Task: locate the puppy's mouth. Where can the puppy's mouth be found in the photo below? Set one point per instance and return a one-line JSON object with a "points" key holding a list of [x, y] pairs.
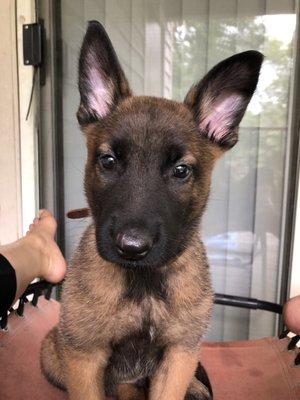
{"points": [[137, 264]]}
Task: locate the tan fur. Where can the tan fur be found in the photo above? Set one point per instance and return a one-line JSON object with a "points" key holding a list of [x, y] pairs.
{"points": [[83, 372], [99, 287], [174, 374], [51, 362]]}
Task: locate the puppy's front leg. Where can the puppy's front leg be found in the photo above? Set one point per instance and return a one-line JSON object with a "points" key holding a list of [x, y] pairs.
{"points": [[174, 374], [84, 374]]}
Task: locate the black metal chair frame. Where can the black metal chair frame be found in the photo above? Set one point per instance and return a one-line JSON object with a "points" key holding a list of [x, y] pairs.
{"points": [[40, 288]]}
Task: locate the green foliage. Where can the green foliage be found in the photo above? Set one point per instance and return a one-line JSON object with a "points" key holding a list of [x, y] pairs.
{"points": [[198, 46]]}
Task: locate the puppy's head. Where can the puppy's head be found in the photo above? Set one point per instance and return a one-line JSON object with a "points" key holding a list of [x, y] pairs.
{"points": [[149, 160]]}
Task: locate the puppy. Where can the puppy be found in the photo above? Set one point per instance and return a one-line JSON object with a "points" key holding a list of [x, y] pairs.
{"points": [[137, 296]]}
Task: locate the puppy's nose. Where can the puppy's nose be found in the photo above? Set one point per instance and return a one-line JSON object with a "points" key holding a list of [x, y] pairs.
{"points": [[133, 244]]}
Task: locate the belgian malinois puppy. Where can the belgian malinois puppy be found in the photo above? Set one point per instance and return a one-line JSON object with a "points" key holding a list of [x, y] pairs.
{"points": [[137, 296]]}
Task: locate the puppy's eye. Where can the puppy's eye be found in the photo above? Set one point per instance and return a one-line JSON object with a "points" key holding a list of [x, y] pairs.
{"points": [[182, 171], [107, 161]]}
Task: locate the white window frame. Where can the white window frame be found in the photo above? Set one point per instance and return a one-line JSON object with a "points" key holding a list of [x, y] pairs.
{"points": [[26, 14]]}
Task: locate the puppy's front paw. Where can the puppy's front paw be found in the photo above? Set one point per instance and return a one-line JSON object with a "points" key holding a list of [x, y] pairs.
{"points": [[200, 388], [198, 395]]}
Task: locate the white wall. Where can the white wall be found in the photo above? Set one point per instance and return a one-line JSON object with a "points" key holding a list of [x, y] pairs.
{"points": [[18, 137], [10, 185]]}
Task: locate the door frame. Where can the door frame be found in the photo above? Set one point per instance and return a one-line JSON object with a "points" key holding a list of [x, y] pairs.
{"points": [[51, 121], [290, 232]]}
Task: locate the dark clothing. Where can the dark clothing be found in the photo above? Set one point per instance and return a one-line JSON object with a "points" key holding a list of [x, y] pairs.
{"points": [[8, 284]]}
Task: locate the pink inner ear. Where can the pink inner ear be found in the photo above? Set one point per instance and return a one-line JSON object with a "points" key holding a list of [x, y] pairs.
{"points": [[99, 96], [221, 116]]}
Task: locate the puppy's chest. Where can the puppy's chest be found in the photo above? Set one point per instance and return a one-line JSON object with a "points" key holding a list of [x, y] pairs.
{"points": [[144, 301], [152, 305], [147, 317]]}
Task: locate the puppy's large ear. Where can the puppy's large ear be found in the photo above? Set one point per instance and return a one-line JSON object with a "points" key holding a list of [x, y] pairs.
{"points": [[218, 102], [102, 83]]}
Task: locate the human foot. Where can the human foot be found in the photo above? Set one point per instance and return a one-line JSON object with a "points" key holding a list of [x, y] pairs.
{"points": [[291, 314], [36, 254], [41, 237]]}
